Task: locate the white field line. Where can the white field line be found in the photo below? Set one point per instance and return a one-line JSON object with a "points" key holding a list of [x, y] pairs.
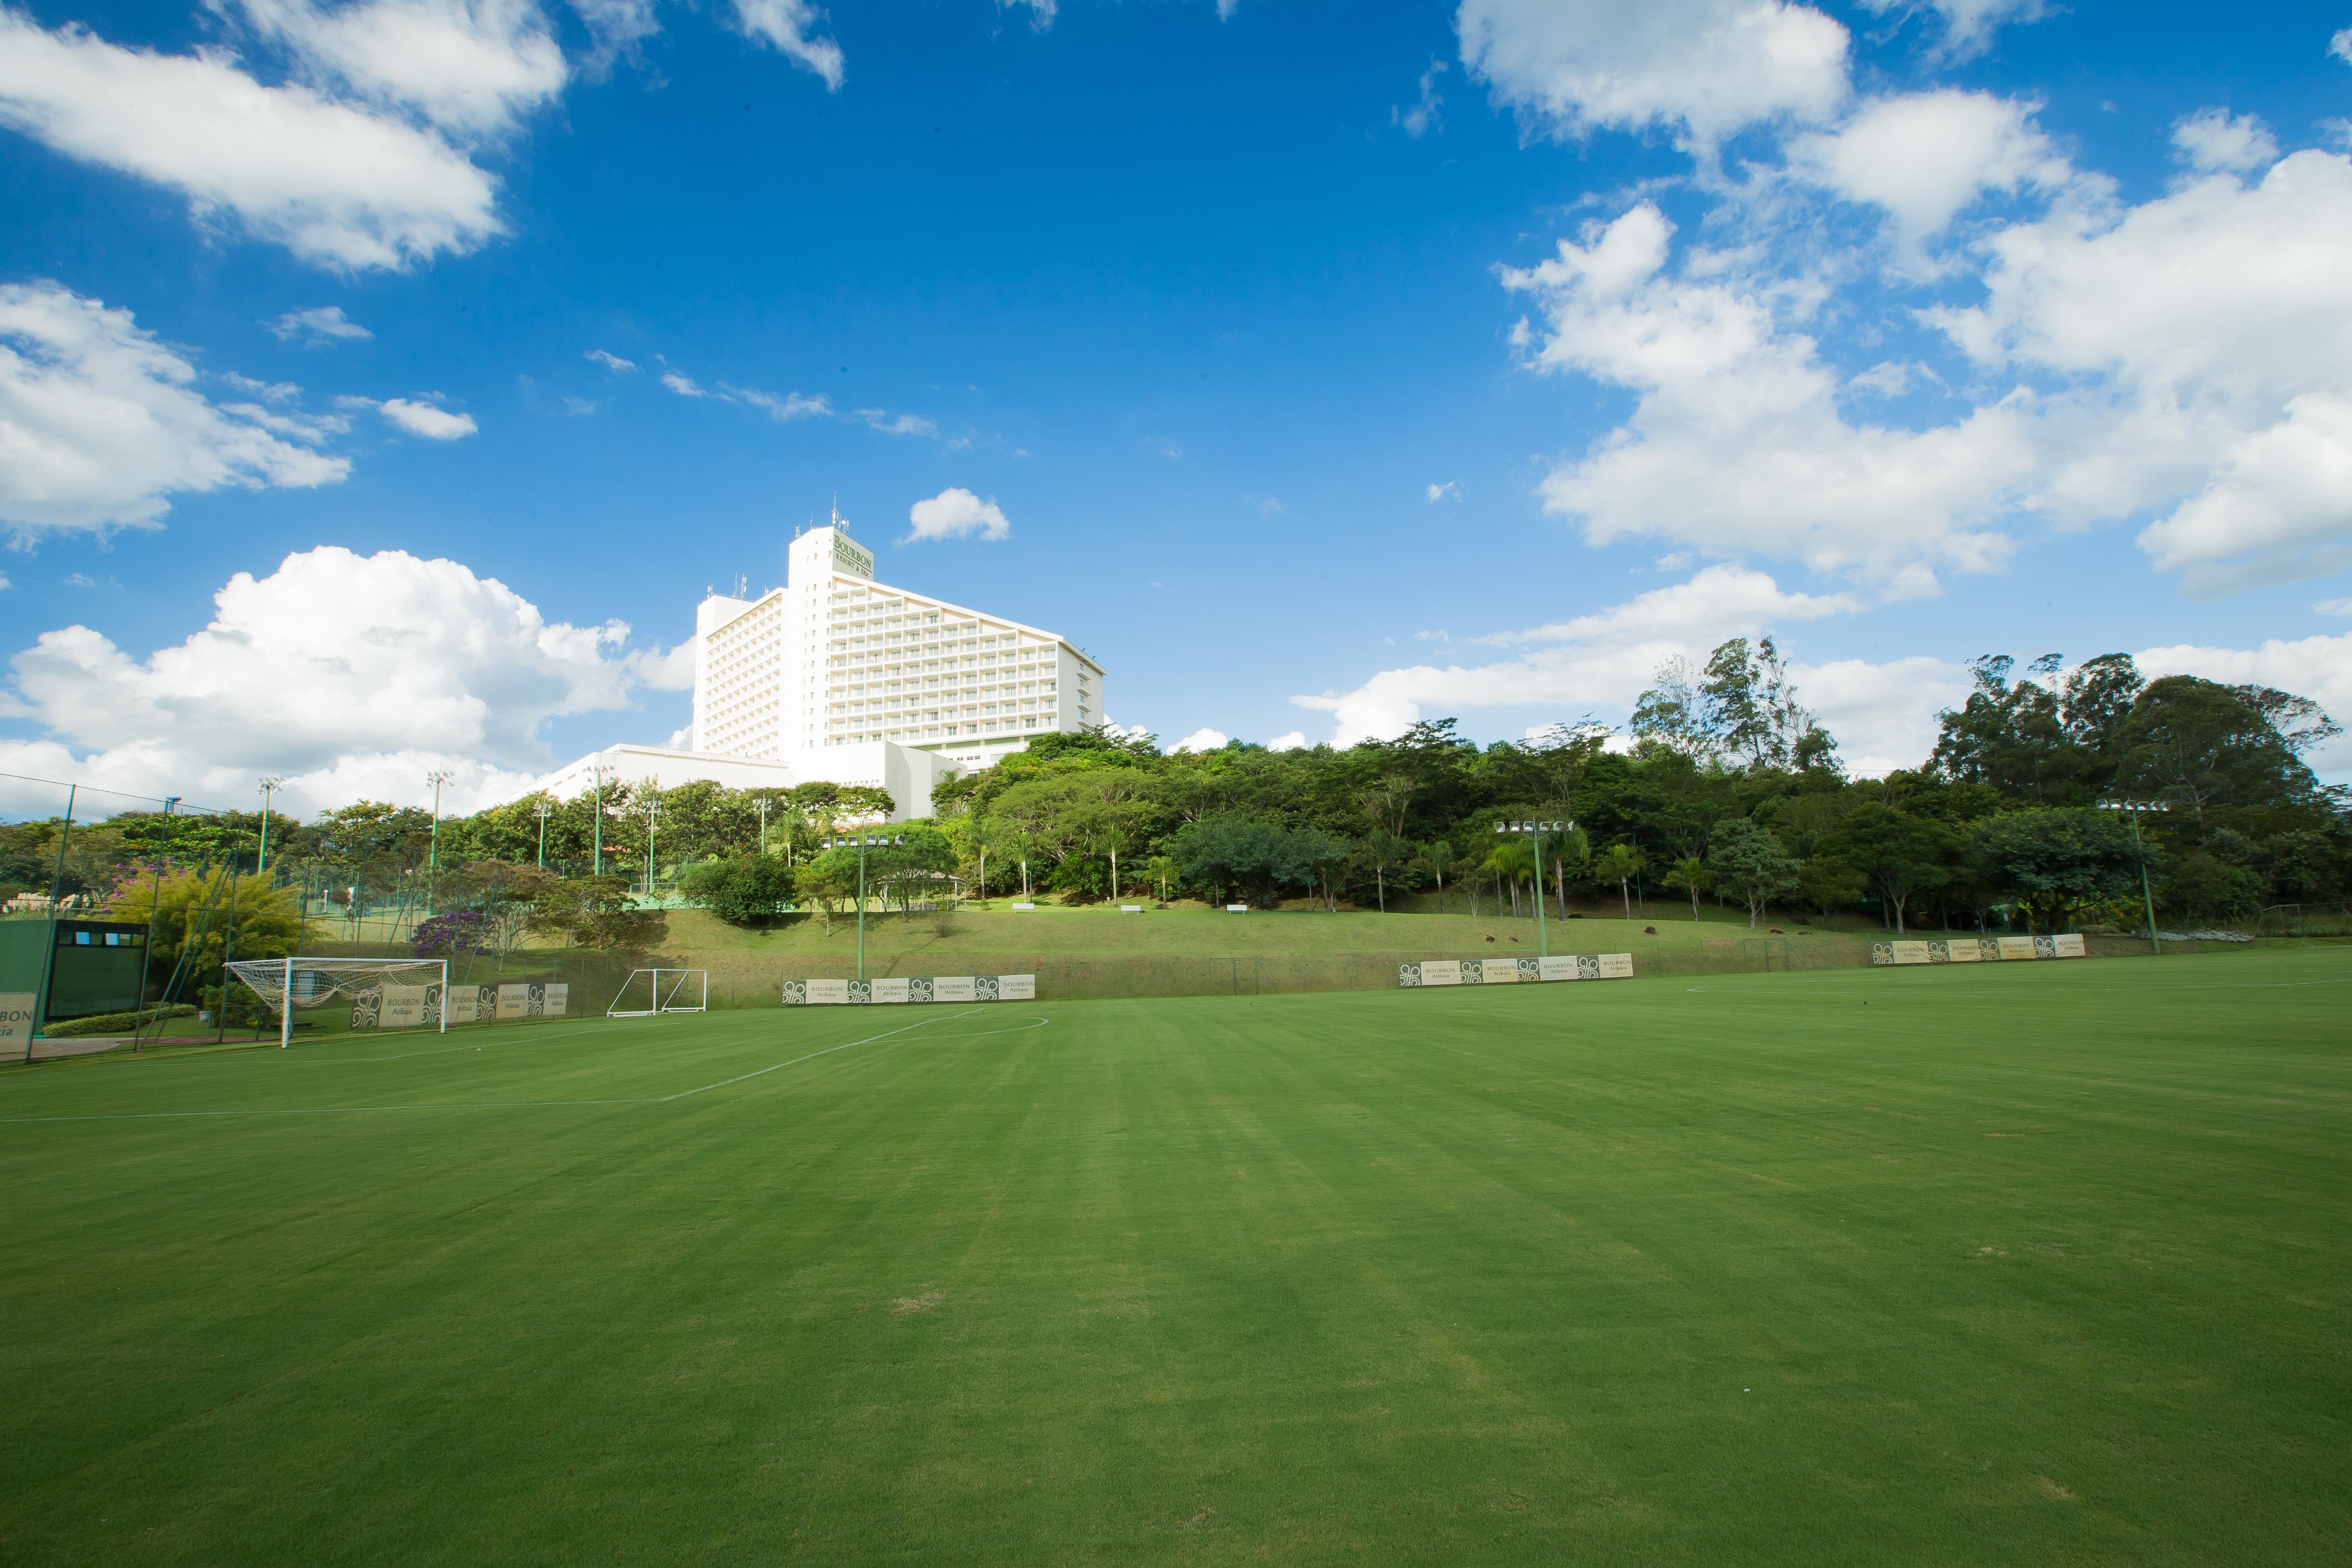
{"points": [[869, 1039]]}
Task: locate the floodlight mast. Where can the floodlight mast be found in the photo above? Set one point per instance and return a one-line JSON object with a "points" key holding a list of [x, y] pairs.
{"points": [[2133, 810], [861, 840], [437, 778], [543, 810], [268, 787], [1538, 829]]}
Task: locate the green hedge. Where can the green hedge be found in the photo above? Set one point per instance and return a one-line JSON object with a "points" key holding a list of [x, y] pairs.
{"points": [[115, 1023]]}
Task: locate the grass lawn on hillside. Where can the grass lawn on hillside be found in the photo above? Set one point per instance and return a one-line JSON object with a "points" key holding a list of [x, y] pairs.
{"points": [[2023, 1264]]}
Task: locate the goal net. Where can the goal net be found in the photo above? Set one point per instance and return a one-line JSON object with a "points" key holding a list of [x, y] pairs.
{"points": [[652, 991], [381, 993]]}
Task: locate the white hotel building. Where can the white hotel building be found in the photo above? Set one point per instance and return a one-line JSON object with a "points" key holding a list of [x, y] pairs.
{"points": [[835, 676]]}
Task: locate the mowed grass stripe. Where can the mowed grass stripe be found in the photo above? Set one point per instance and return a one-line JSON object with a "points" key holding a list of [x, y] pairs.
{"points": [[1648, 1272]]}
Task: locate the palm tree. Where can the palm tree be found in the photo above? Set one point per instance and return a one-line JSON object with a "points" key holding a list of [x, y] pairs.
{"points": [[1690, 872], [1161, 869], [1621, 862], [1439, 858], [1513, 859], [981, 836]]}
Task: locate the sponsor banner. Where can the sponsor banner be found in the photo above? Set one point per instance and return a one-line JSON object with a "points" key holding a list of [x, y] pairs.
{"points": [[514, 1001], [404, 1006], [904, 989], [1515, 971], [15, 1020], [1978, 950], [464, 1004]]}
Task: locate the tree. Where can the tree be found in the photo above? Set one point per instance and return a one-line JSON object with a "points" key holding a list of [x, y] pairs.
{"points": [[1744, 854], [201, 917], [1898, 854], [2055, 862], [600, 912], [2197, 743], [1828, 884], [749, 891], [507, 896], [1620, 863], [1672, 713], [1689, 872], [1384, 849]]}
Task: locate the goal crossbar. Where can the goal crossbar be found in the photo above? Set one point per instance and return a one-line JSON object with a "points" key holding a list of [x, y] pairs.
{"points": [[667, 991], [287, 984]]}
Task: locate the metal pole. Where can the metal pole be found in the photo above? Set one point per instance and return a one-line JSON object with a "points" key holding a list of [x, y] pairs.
{"points": [[286, 1009], [861, 906], [545, 809], [49, 956], [147, 955], [433, 849], [1543, 937], [2147, 899], [228, 952]]}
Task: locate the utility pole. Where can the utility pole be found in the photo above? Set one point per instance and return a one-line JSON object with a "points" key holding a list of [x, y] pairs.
{"points": [[1538, 829], [268, 787], [2133, 811], [433, 852]]}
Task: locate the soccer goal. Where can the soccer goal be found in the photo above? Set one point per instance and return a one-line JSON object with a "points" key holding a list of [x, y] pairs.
{"points": [[652, 991], [384, 992]]}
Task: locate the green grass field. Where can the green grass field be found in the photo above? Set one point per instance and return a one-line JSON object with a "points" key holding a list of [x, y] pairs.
{"points": [[2027, 1264]]}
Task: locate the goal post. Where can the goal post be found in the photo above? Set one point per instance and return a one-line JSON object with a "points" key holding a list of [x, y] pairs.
{"points": [[650, 992], [286, 983]]}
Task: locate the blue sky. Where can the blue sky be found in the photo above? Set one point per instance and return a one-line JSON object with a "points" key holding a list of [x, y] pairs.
{"points": [[1906, 335]]}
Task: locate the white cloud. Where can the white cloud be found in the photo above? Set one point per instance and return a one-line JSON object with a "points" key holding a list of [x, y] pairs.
{"points": [[1927, 156], [423, 418], [611, 362], [340, 185], [787, 24], [2319, 668], [1292, 741], [684, 385], [955, 513], [318, 328], [1736, 443], [1424, 113], [1969, 24], [578, 407], [99, 423], [1202, 739], [1450, 488], [352, 674], [2340, 46], [1705, 68], [1594, 661], [2211, 140], [891, 424], [2333, 606], [615, 28], [1041, 11], [472, 67], [792, 405], [2200, 349]]}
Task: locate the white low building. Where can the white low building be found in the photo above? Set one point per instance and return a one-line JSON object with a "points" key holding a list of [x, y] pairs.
{"points": [[836, 677]]}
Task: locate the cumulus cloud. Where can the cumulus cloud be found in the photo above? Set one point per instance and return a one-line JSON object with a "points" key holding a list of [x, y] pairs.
{"points": [[354, 675], [611, 362], [956, 513], [791, 406], [318, 328], [2213, 140], [1416, 120], [684, 385], [471, 67], [1202, 739], [789, 26], [100, 424], [1293, 741], [345, 185], [1926, 156], [421, 418], [1450, 488], [1697, 69], [1595, 661], [1736, 443]]}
